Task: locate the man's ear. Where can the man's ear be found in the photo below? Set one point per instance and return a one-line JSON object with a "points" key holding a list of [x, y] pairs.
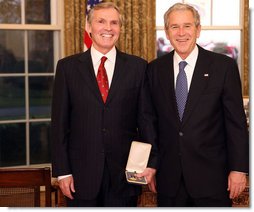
{"points": [[166, 32], [89, 30], [198, 30]]}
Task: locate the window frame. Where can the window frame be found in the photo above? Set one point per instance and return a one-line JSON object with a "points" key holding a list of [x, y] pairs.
{"points": [[56, 25]]}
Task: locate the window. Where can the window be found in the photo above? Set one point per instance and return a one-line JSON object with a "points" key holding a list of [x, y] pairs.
{"points": [[222, 29], [30, 40]]}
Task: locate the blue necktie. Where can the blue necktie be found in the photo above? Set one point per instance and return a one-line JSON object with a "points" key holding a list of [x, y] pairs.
{"points": [[181, 89]]}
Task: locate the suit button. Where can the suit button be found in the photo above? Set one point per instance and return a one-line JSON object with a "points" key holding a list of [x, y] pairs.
{"points": [[181, 134], [104, 130]]}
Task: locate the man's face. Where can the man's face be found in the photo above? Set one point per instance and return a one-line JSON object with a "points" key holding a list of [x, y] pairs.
{"points": [[104, 29], [182, 32]]}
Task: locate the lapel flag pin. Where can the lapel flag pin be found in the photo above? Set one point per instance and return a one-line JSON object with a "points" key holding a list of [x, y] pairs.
{"points": [[206, 75]]}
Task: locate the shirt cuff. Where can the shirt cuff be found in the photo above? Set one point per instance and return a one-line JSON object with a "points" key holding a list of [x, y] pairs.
{"points": [[63, 176], [240, 172]]}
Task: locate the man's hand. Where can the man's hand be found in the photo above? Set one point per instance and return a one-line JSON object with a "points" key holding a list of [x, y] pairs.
{"points": [[236, 183], [149, 174], [67, 186]]}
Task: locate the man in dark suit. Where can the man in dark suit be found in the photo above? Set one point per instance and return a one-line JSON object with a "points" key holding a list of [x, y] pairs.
{"points": [[203, 141], [92, 131]]}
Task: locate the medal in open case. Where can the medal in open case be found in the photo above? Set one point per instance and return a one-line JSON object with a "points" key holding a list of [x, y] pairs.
{"points": [[137, 162]]}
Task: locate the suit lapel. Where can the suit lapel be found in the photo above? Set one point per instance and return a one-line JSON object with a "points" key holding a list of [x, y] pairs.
{"points": [[199, 82], [167, 83], [118, 76], [87, 71]]}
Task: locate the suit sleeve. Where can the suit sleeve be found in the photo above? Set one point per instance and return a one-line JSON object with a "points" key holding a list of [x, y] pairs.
{"points": [[235, 121], [60, 123], [147, 121]]}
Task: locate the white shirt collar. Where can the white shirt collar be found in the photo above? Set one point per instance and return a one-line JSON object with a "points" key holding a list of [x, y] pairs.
{"points": [[191, 59], [96, 55], [109, 64]]}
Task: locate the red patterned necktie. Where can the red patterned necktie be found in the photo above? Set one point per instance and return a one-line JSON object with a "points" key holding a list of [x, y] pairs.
{"points": [[102, 79]]}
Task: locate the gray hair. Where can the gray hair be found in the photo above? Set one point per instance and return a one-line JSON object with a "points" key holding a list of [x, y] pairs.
{"points": [[181, 6], [104, 5]]}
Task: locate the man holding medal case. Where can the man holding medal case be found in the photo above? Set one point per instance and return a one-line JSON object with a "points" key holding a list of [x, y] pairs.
{"points": [[101, 103]]}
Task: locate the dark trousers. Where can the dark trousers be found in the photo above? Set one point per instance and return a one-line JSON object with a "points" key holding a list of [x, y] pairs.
{"points": [[183, 199], [106, 197]]}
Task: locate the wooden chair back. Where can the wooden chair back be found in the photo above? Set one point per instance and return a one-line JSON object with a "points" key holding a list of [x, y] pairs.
{"points": [[20, 187]]}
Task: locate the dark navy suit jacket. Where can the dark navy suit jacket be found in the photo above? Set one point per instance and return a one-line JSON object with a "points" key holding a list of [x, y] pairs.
{"points": [[212, 138]]}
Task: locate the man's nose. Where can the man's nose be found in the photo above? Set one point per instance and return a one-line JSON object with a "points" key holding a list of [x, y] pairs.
{"points": [[108, 26], [181, 31]]}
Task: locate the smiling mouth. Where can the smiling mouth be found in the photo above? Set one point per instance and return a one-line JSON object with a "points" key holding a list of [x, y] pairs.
{"points": [[182, 40], [107, 35]]}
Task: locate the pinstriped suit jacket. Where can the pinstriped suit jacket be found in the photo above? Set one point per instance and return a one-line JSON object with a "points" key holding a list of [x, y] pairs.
{"points": [[86, 132]]}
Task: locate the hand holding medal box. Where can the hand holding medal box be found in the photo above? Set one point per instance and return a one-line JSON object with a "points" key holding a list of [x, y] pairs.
{"points": [[137, 162]]}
